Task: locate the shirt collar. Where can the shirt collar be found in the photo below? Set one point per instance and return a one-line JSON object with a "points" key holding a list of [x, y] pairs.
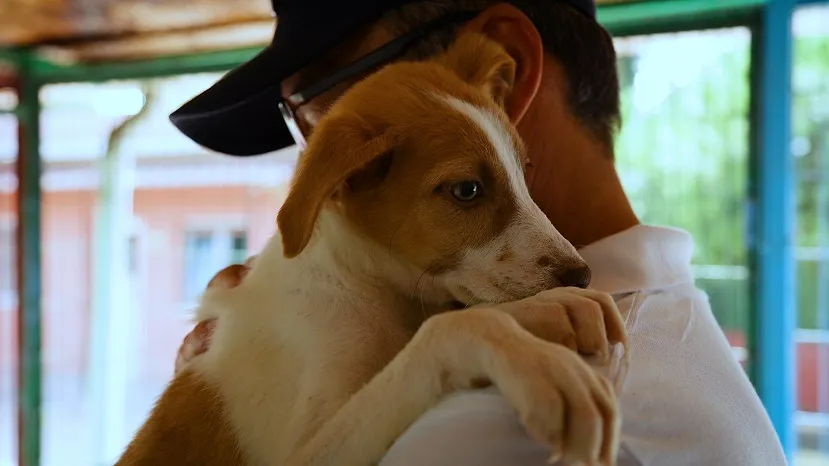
{"points": [[640, 258]]}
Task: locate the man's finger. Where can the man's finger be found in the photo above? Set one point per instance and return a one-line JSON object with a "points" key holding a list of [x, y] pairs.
{"points": [[198, 340], [195, 343], [228, 277]]}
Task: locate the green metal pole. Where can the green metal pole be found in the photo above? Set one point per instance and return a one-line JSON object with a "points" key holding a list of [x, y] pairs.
{"points": [[628, 18], [220, 61], [28, 264]]}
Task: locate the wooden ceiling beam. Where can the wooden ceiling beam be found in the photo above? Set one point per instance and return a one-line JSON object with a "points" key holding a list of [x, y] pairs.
{"points": [[33, 22], [148, 46], [42, 22]]}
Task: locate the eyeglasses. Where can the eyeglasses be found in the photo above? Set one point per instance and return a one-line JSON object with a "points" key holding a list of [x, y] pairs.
{"points": [[383, 55]]}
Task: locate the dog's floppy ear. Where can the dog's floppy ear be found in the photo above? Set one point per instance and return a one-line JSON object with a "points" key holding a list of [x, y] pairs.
{"points": [[340, 146], [483, 63]]}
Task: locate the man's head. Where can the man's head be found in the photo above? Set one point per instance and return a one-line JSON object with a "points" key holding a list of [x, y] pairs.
{"points": [[318, 39], [564, 102], [534, 31], [421, 160]]}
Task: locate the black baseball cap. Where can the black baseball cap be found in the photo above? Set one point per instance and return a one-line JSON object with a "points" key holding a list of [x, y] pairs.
{"points": [[240, 115]]}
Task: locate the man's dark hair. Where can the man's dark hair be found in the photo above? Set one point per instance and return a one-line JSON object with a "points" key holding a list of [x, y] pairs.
{"points": [[582, 47]]}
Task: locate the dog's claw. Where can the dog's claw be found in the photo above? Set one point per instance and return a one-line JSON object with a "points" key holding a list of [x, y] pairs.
{"points": [[554, 458]]}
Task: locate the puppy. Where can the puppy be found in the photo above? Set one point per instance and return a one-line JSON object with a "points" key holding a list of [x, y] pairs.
{"points": [[409, 197]]}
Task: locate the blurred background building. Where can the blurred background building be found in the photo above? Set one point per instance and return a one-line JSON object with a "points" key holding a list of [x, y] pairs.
{"points": [[111, 222]]}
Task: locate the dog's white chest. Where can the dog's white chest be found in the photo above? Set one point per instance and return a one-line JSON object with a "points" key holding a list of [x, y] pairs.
{"points": [[286, 363]]}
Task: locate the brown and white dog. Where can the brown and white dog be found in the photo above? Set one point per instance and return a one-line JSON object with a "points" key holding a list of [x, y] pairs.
{"points": [[409, 197]]}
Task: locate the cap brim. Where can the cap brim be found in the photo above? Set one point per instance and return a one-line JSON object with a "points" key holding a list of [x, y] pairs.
{"points": [[239, 114]]}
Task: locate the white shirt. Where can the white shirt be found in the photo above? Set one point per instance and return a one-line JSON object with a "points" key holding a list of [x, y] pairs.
{"points": [[685, 400]]}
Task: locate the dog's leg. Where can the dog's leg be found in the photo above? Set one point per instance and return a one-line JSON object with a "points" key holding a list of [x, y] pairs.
{"points": [[586, 321], [560, 400]]}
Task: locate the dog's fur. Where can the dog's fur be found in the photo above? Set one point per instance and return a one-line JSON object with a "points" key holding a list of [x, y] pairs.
{"points": [[329, 349]]}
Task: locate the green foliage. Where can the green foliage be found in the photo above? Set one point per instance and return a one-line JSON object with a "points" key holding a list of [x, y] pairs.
{"points": [[684, 160], [683, 155], [810, 127], [730, 301]]}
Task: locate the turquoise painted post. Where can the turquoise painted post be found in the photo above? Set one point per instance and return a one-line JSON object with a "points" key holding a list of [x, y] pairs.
{"points": [[775, 227]]}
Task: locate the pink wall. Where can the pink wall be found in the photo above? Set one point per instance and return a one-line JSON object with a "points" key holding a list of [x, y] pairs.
{"points": [[162, 319], [808, 365]]}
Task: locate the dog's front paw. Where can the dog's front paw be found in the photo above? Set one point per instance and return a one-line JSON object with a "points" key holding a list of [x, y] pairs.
{"points": [[562, 402], [586, 321]]}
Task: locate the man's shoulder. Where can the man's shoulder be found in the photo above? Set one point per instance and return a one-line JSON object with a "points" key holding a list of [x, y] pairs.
{"points": [[654, 259], [684, 382], [681, 304]]}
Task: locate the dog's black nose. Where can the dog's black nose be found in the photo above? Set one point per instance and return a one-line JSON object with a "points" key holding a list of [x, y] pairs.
{"points": [[577, 276]]}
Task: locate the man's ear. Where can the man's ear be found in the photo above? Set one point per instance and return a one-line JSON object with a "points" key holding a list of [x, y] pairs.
{"points": [[510, 28], [341, 146], [483, 63]]}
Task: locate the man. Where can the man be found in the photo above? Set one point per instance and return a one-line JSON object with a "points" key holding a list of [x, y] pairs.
{"points": [[684, 398]]}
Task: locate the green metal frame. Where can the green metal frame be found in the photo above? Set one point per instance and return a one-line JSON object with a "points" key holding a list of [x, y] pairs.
{"points": [[656, 16], [49, 73], [9, 57], [29, 265]]}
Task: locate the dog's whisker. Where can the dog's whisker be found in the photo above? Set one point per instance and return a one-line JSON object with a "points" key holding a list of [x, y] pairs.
{"points": [[422, 289], [417, 283], [470, 300], [425, 316], [391, 238], [422, 305]]}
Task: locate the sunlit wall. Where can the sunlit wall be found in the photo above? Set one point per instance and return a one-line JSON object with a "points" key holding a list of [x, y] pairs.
{"points": [[136, 219], [8, 280]]}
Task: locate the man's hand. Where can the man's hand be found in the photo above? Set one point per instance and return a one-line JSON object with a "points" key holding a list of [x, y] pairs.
{"points": [[198, 341]]}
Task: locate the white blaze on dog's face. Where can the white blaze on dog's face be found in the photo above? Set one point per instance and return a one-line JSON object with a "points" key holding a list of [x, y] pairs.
{"points": [[421, 159], [525, 254]]}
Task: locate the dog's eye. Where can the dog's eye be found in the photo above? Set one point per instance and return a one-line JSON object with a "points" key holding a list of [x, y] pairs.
{"points": [[466, 191]]}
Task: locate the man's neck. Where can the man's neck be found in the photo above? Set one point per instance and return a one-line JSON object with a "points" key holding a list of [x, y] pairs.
{"points": [[579, 189], [593, 212]]}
